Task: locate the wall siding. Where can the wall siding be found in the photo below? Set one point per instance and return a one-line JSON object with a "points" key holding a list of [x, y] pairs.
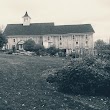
{"points": [[66, 42]]}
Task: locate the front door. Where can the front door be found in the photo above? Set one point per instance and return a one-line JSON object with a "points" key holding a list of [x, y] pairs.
{"points": [[20, 46]]}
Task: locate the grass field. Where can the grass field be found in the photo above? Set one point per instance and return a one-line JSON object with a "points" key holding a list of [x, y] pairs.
{"points": [[23, 86]]}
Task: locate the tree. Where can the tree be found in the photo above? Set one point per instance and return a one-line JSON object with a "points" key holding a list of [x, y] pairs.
{"points": [[29, 45], [39, 49], [99, 44], [52, 50], [103, 49], [3, 40]]}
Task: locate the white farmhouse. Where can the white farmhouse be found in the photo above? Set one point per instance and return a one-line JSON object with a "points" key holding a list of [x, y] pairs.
{"points": [[68, 37]]}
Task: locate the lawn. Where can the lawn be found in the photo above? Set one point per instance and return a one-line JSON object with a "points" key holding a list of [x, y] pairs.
{"points": [[23, 86]]}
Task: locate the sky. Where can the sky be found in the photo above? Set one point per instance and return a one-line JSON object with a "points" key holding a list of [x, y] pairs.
{"points": [[61, 12]]}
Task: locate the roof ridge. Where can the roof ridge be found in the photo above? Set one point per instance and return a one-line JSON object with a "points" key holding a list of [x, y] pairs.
{"points": [[73, 25], [33, 23]]}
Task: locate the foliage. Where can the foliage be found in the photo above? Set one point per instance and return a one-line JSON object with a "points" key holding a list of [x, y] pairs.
{"points": [[61, 52], [103, 49], [3, 40], [74, 55], [9, 52], [52, 50], [88, 76], [39, 49], [99, 44], [29, 45]]}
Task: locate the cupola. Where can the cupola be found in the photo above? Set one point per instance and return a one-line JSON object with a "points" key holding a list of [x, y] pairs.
{"points": [[26, 19]]}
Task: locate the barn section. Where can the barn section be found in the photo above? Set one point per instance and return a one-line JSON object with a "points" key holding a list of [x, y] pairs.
{"points": [[68, 37]]}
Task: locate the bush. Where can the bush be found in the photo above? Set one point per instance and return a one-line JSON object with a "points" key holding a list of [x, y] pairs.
{"points": [[89, 76], [74, 55], [62, 52], [39, 49], [52, 51], [9, 52], [29, 45]]}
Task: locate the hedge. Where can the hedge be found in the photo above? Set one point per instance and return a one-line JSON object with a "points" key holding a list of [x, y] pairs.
{"points": [[88, 76]]}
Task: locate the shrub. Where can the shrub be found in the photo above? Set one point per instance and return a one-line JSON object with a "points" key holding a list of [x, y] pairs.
{"points": [[74, 55], [29, 45], [62, 52], [39, 49], [89, 76], [52, 50], [9, 52]]}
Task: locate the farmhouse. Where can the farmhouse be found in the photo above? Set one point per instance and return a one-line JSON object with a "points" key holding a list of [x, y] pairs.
{"points": [[68, 37]]}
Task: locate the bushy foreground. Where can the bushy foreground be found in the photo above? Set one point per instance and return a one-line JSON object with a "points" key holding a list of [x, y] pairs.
{"points": [[88, 76]]}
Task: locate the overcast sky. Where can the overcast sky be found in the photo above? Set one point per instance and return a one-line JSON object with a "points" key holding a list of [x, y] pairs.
{"points": [[95, 12]]}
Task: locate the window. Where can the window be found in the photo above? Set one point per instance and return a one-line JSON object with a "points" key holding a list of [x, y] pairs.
{"points": [[76, 42], [60, 43], [60, 37], [42, 43], [13, 40], [73, 36], [73, 50], [86, 42], [48, 38], [25, 19], [86, 37]]}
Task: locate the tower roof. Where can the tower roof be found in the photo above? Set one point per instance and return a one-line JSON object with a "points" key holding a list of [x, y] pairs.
{"points": [[26, 15]]}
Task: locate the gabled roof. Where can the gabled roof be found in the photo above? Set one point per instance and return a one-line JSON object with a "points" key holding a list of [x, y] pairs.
{"points": [[46, 28], [26, 15], [82, 28]]}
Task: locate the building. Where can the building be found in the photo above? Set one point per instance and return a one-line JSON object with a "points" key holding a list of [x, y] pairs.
{"points": [[68, 37]]}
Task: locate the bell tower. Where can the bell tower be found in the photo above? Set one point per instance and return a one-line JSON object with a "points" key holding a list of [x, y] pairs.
{"points": [[26, 19]]}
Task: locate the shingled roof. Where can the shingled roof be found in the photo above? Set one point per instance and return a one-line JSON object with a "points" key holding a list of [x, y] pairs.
{"points": [[46, 28]]}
